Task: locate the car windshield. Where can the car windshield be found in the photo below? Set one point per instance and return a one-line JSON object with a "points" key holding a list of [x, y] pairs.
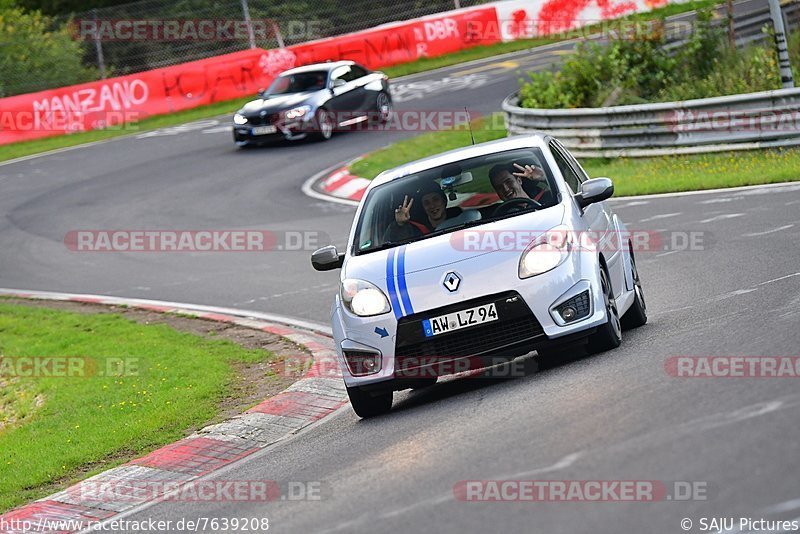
{"points": [[298, 83], [454, 196]]}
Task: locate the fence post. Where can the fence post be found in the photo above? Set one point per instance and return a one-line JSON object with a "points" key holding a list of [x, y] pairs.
{"points": [[98, 46], [250, 35], [780, 44]]}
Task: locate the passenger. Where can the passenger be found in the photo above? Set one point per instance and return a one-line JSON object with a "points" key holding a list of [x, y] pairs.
{"points": [[434, 204], [508, 182]]}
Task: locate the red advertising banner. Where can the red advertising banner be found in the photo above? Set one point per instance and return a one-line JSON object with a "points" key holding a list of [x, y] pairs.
{"points": [[396, 43], [124, 99]]}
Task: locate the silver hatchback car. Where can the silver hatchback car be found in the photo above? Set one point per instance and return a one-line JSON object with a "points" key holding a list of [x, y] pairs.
{"points": [[475, 256]]}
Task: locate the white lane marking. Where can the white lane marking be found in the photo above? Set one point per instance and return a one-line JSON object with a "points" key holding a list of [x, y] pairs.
{"points": [[670, 311], [722, 217], [217, 129], [563, 463], [633, 203], [177, 130], [779, 279], [404, 92], [735, 293], [755, 234], [718, 200], [785, 506], [667, 253], [661, 216], [765, 188]]}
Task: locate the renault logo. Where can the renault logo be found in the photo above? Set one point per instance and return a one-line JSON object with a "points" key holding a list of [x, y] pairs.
{"points": [[451, 281]]}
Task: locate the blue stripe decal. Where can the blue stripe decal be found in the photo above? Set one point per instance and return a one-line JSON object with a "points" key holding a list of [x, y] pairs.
{"points": [[390, 284], [401, 281]]}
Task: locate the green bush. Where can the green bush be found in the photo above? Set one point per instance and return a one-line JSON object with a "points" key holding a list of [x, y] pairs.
{"points": [[633, 71], [37, 54]]}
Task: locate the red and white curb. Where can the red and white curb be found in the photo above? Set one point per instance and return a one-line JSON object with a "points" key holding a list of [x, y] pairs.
{"points": [[343, 184], [315, 396]]}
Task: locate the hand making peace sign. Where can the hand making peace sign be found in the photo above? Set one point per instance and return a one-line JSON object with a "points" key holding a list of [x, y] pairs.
{"points": [[403, 212], [528, 171]]}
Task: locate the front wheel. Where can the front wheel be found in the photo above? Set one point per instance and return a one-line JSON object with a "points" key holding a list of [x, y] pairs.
{"points": [[323, 122], [609, 334], [383, 103], [369, 405]]}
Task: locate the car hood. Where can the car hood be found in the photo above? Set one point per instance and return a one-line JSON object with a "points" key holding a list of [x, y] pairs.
{"points": [[456, 249], [275, 103]]}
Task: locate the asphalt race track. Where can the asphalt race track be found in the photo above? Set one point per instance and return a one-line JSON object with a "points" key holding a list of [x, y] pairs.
{"points": [[614, 416]]}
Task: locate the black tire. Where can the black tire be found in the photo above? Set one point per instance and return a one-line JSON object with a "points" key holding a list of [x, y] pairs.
{"points": [[323, 125], [636, 315], [383, 105], [609, 334], [369, 404]]}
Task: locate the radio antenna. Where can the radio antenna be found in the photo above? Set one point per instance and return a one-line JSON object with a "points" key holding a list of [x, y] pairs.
{"points": [[469, 125]]}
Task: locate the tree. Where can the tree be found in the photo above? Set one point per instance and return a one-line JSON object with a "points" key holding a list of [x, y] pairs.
{"points": [[37, 53]]}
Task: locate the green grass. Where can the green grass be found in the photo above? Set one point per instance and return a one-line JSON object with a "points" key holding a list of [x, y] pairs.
{"points": [[27, 148], [69, 427], [631, 176]]}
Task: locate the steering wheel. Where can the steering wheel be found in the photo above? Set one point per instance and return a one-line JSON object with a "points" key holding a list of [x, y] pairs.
{"points": [[518, 203]]}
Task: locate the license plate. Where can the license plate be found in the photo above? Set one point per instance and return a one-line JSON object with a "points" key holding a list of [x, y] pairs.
{"points": [[264, 130], [460, 319]]}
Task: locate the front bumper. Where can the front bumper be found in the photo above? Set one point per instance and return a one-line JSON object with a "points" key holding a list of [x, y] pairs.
{"points": [[528, 321], [290, 131]]}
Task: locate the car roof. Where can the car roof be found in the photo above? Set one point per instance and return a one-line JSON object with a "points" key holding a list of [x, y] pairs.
{"points": [[537, 139], [326, 66]]}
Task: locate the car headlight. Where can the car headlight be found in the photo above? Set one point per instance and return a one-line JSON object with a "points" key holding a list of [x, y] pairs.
{"points": [[546, 252], [296, 113], [364, 299], [239, 119]]}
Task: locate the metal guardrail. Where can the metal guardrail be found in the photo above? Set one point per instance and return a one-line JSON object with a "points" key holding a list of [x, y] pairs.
{"points": [[735, 122], [748, 27]]}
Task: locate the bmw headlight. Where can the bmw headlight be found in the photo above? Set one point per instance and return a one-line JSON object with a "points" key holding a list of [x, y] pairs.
{"points": [[296, 113], [364, 299], [239, 119], [546, 252]]}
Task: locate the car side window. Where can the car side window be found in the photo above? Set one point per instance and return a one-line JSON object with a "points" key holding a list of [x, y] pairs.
{"points": [[357, 72], [582, 176], [569, 174], [342, 73]]}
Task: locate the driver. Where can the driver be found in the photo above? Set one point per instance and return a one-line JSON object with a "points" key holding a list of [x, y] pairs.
{"points": [[507, 181], [434, 204]]}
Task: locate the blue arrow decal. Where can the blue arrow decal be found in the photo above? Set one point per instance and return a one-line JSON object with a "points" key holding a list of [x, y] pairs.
{"points": [[381, 332]]}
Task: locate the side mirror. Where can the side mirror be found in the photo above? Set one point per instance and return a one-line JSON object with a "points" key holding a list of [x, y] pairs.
{"points": [[261, 92], [338, 82], [594, 190], [327, 259]]}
